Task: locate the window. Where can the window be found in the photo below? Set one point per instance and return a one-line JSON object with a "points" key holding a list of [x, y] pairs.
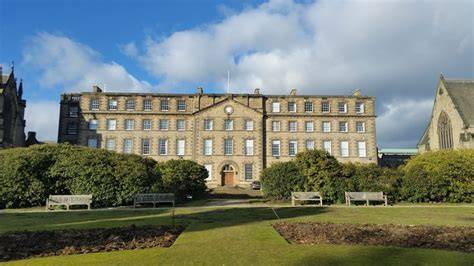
{"points": [[327, 146], [146, 124], [445, 131], [360, 108], [93, 124], [275, 107], [147, 105], [180, 124], [110, 144], [129, 124], [145, 146], [309, 126], [292, 147], [209, 171], [292, 126], [360, 127], [164, 105], [325, 107], [249, 147], [73, 111], [248, 171], [127, 146], [342, 107], [208, 124], [276, 148], [72, 128], [228, 124], [95, 104], [130, 104], [326, 126], [308, 107], [361, 149], [180, 147], [344, 149], [111, 124], [164, 124], [228, 147], [181, 105], [342, 126], [309, 144], [292, 107], [208, 147], [249, 125], [275, 126], [112, 104], [162, 146], [92, 143]]}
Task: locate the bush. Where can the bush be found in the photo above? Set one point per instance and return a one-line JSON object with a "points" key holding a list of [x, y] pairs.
{"points": [[323, 173], [183, 177], [279, 180], [439, 176], [29, 175]]}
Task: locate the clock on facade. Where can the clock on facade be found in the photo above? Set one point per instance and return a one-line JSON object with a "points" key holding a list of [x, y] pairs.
{"points": [[228, 109]]}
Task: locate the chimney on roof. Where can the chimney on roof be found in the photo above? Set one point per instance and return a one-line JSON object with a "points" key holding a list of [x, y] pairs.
{"points": [[293, 92], [256, 91], [96, 88], [357, 92], [441, 76], [200, 90]]}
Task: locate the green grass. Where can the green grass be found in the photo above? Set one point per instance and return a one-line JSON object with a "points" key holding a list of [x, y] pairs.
{"points": [[244, 236]]}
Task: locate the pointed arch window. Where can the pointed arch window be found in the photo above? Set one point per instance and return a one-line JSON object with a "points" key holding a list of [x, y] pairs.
{"points": [[445, 132]]}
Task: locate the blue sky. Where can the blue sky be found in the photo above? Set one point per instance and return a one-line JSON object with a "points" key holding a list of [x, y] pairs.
{"points": [[392, 50]]}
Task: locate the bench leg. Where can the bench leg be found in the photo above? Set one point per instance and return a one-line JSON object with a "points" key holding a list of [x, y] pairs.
{"points": [[385, 200], [88, 206], [367, 202], [321, 202], [293, 202], [67, 207]]}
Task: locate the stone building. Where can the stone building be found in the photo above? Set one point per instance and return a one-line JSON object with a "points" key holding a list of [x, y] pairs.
{"points": [[452, 120], [12, 111], [234, 136]]}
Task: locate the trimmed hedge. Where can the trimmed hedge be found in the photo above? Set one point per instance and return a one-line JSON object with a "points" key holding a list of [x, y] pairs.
{"points": [[29, 175], [279, 180]]}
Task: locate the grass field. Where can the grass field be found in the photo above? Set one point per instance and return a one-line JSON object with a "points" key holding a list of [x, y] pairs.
{"points": [[244, 236]]}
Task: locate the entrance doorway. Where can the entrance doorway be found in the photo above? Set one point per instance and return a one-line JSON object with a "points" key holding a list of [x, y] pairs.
{"points": [[228, 173]]}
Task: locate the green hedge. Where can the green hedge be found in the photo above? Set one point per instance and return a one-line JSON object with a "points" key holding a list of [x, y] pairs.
{"points": [[279, 180], [29, 175]]}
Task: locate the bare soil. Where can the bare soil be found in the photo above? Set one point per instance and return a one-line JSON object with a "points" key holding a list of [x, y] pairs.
{"points": [[406, 236], [26, 244]]}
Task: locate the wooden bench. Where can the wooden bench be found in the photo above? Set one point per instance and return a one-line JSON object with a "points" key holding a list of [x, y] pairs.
{"points": [[153, 198], [68, 200], [306, 196], [365, 196]]}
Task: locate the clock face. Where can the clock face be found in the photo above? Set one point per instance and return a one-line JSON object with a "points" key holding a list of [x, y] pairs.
{"points": [[229, 109]]}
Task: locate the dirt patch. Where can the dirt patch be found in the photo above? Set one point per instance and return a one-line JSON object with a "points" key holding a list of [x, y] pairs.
{"points": [[406, 236], [26, 244]]}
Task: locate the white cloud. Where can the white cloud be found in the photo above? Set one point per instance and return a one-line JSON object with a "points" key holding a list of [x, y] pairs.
{"points": [[43, 117], [75, 66], [129, 49], [389, 49]]}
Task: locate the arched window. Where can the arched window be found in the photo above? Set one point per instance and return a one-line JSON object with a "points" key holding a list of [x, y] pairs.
{"points": [[445, 132]]}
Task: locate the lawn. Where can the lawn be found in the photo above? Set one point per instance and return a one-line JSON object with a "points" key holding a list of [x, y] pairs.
{"points": [[238, 236]]}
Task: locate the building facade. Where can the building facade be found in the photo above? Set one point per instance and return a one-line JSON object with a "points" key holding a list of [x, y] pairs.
{"points": [[235, 136], [452, 120], [12, 112]]}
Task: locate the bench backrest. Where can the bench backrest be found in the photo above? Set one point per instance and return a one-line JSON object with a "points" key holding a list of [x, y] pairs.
{"points": [[86, 199], [306, 195], [365, 195], [156, 197]]}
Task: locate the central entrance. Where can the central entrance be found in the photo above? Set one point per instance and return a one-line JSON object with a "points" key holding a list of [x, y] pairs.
{"points": [[228, 173]]}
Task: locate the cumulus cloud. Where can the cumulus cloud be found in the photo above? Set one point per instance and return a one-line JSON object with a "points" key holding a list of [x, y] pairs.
{"points": [[74, 66], [43, 117], [129, 49], [391, 50]]}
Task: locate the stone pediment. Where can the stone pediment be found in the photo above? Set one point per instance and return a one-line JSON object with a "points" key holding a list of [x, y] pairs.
{"points": [[228, 107]]}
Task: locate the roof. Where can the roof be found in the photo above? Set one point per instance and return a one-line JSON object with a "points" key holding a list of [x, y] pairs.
{"points": [[426, 136], [462, 95], [398, 151], [5, 78]]}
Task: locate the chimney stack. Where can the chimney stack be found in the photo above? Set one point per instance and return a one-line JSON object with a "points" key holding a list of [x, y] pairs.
{"points": [[200, 90], [257, 91], [293, 92], [96, 88]]}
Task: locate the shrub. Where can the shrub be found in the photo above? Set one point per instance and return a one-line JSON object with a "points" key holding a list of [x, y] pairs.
{"points": [[323, 173], [439, 176], [183, 177], [280, 179]]}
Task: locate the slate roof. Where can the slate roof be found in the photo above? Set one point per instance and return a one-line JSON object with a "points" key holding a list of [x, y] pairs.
{"points": [[462, 95]]}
